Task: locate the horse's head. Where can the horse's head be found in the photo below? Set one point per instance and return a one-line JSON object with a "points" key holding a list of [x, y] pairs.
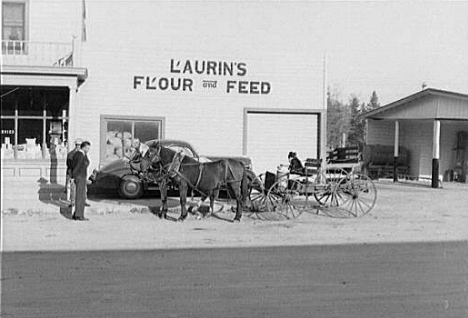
{"points": [[151, 160]]}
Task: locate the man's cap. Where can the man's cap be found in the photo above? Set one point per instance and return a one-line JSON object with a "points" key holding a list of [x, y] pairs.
{"points": [[78, 141]]}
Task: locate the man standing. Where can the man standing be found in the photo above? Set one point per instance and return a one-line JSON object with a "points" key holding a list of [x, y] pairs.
{"points": [[70, 183], [79, 173]]}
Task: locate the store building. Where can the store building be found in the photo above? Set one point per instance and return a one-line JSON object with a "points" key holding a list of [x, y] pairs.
{"points": [[230, 80], [433, 126], [40, 81]]}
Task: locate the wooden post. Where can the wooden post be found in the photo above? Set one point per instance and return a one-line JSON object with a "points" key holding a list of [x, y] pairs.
{"points": [[71, 117], [323, 116], [435, 154], [395, 151]]}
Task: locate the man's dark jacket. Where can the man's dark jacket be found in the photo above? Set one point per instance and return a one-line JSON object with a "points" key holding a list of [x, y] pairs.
{"points": [[80, 165], [70, 162]]}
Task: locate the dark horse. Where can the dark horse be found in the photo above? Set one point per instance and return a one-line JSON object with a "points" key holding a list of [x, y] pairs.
{"points": [[206, 178]]}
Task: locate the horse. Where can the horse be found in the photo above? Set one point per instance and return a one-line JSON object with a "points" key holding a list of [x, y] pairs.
{"points": [[206, 178], [157, 176]]}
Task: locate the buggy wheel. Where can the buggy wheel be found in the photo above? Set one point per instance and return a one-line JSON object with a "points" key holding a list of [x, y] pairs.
{"points": [[354, 197], [361, 193], [258, 196], [327, 186], [286, 199]]}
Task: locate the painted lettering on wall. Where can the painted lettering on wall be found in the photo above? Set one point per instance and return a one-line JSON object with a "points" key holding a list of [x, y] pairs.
{"points": [[208, 68], [186, 83]]}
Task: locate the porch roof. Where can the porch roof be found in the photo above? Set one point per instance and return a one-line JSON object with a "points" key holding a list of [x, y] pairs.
{"points": [[427, 104], [43, 75]]}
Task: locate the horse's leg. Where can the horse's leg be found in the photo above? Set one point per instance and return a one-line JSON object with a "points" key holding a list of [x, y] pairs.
{"points": [[236, 189], [163, 190], [183, 200], [213, 196]]}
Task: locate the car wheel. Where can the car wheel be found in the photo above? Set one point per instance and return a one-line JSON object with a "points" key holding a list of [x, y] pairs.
{"points": [[130, 187]]}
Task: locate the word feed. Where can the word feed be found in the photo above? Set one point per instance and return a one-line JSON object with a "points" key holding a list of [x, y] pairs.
{"points": [[245, 87]]}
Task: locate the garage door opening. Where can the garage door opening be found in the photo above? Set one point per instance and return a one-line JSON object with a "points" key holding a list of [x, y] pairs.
{"points": [[270, 135]]}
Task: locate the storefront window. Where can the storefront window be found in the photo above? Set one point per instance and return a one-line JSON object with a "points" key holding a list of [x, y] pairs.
{"points": [[120, 134], [57, 102], [30, 133], [8, 105], [8, 137], [30, 102], [119, 139], [146, 130], [40, 115]]}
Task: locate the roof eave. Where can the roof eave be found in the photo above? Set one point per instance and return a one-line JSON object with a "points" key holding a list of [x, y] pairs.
{"points": [[407, 99]]}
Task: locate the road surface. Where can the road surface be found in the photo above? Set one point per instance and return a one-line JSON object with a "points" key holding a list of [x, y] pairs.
{"points": [[361, 280]]}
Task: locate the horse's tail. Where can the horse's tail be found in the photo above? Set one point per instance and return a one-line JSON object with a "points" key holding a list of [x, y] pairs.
{"points": [[245, 187]]}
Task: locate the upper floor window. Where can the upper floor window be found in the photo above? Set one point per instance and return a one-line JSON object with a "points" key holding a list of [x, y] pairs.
{"points": [[13, 27], [14, 21]]}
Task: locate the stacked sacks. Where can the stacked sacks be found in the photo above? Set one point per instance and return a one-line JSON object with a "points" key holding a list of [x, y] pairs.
{"points": [[118, 144]]}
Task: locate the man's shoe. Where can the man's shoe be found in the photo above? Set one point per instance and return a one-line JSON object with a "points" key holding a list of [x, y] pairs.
{"points": [[79, 219], [87, 204]]}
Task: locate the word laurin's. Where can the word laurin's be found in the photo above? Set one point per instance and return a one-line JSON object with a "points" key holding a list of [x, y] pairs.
{"points": [[209, 68]]}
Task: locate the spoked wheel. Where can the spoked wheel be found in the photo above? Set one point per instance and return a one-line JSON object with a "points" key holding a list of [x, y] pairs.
{"points": [[288, 199], [327, 186], [354, 197], [258, 199]]}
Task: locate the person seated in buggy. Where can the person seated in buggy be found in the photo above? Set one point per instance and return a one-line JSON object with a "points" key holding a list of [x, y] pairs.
{"points": [[295, 165]]}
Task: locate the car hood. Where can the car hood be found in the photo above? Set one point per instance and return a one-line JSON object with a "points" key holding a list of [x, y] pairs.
{"points": [[116, 165]]}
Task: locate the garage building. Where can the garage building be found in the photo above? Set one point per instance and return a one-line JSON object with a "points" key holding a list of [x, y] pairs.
{"points": [[433, 126]]}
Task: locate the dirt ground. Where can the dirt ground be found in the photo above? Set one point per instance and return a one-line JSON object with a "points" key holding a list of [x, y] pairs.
{"points": [[403, 213]]}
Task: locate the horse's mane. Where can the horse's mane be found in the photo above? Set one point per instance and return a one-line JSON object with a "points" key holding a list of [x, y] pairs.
{"points": [[186, 159]]}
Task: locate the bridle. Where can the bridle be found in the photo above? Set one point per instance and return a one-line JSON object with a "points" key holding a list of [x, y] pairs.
{"points": [[154, 159]]}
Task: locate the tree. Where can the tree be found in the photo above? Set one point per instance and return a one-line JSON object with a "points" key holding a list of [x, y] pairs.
{"points": [[347, 119], [357, 129], [373, 102], [337, 119]]}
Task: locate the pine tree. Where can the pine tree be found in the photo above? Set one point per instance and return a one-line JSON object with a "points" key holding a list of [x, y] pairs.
{"points": [[374, 102], [357, 128], [337, 120]]}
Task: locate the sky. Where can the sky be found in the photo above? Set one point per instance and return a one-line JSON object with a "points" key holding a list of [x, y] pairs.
{"points": [[393, 47]]}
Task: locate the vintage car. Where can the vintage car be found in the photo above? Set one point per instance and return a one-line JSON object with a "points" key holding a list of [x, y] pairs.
{"points": [[117, 175]]}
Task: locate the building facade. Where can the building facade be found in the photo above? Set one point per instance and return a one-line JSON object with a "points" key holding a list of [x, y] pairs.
{"points": [[433, 126], [230, 80]]}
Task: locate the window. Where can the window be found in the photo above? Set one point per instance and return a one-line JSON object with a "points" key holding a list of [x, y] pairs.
{"points": [[34, 122], [13, 27], [119, 133], [8, 138]]}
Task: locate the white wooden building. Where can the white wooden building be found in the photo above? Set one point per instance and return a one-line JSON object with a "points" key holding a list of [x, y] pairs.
{"points": [[230, 79], [433, 125]]}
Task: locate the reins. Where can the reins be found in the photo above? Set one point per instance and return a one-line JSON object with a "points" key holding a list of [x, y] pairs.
{"points": [[173, 169]]}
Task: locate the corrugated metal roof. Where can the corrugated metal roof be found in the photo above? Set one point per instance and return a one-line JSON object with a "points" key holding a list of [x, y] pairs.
{"points": [[379, 113]]}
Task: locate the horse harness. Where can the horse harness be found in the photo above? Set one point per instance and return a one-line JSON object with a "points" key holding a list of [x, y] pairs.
{"points": [[176, 164], [172, 170]]}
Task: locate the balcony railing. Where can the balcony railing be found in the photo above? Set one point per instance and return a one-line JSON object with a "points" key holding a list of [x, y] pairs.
{"points": [[30, 53]]}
